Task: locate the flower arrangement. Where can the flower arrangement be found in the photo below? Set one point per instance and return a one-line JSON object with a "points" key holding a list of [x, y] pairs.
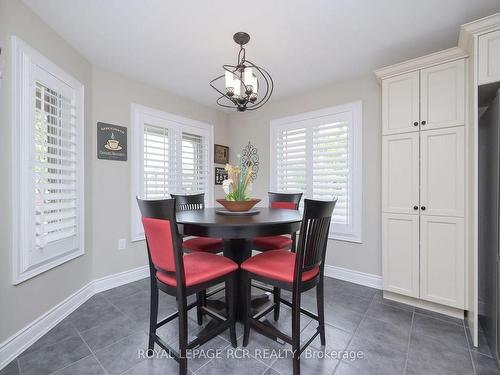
{"points": [[238, 185]]}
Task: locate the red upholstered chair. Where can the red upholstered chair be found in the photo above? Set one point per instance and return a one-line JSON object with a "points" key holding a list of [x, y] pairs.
{"points": [[296, 272], [205, 244], [182, 275], [289, 201], [283, 201]]}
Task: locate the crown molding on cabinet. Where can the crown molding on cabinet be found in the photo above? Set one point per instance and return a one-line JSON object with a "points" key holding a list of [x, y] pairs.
{"points": [[436, 58], [475, 28]]}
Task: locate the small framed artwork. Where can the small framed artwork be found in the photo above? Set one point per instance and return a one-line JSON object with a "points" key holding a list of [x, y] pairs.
{"points": [[111, 142], [221, 154], [220, 175]]}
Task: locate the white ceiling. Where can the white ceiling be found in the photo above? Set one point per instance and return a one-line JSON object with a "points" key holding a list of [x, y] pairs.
{"points": [[180, 45]]}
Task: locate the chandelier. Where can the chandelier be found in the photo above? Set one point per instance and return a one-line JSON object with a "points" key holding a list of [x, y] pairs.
{"points": [[247, 86]]}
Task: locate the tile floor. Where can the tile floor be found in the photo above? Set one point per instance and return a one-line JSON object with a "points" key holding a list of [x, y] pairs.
{"points": [[105, 335]]}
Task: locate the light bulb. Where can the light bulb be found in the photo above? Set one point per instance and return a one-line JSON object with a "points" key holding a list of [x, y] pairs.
{"points": [[247, 76], [229, 79], [255, 85], [237, 87]]}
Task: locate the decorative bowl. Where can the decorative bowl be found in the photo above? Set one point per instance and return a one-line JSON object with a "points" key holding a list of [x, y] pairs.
{"points": [[238, 206]]}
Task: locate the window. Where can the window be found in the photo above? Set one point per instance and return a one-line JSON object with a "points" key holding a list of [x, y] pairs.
{"points": [[319, 153], [170, 155], [48, 164]]}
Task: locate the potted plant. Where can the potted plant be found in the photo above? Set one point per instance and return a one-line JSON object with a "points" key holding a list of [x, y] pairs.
{"points": [[237, 187]]}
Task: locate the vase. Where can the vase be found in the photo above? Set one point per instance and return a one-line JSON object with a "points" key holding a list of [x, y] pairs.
{"points": [[238, 206]]}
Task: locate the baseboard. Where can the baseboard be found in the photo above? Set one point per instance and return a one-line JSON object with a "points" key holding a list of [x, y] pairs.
{"points": [[356, 277], [20, 341]]}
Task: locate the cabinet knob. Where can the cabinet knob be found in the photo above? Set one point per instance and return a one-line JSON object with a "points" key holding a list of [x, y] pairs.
{"points": [[422, 208], [423, 122], [415, 207], [415, 123]]}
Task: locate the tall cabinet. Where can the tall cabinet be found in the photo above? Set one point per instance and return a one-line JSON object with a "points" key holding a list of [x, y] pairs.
{"points": [[423, 178]]}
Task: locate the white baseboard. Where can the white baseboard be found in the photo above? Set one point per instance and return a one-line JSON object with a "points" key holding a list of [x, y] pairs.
{"points": [[356, 277], [20, 341]]}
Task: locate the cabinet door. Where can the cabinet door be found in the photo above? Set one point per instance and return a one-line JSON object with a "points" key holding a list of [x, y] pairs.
{"points": [[442, 95], [400, 101], [489, 57], [442, 260], [400, 254], [442, 171], [400, 173]]}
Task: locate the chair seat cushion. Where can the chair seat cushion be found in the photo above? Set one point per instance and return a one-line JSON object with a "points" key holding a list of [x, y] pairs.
{"points": [[199, 268], [272, 242], [276, 265], [205, 244]]}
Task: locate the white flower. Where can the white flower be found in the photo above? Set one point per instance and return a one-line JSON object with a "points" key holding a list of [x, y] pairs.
{"points": [[249, 188], [226, 186]]}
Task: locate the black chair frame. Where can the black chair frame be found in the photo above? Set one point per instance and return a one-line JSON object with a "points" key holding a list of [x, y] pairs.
{"points": [[311, 252], [165, 209]]}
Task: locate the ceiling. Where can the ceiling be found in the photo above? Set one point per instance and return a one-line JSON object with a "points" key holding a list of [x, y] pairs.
{"points": [[179, 46]]}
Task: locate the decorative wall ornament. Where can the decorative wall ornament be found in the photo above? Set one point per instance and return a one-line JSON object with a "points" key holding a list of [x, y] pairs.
{"points": [[250, 156], [221, 154], [111, 142]]}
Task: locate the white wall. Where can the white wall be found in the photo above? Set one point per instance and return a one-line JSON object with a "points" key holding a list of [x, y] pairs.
{"points": [[111, 98], [254, 127]]}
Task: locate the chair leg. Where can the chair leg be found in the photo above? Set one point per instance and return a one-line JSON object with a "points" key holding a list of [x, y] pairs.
{"points": [[230, 286], [248, 299], [296, 333], [277, 296], [183, 334], [199, 304], [320, 301], [153, 314]]}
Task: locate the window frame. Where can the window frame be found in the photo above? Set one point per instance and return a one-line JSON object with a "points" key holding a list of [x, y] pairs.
{"points": [[25, 60], [309, 120], [138, 114]]}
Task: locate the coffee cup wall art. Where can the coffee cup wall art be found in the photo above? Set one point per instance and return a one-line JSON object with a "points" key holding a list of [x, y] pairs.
{"points": [[111, 142]]}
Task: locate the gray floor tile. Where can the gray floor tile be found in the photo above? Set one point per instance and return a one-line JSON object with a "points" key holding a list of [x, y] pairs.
{"points": [[97, 310], [440, 316], [482, 347], [85, 366], [440, 352], [358, 290], [377, 358], [308, 365], [230, 363], [341, 317], [446, 332], [385, 334], [124, 354], [428, 368], [346, 368], [350, 302], [11, 369], [484, 365], [53, 357], [389, 314], [154, 366], [336, 339], [271, 371], [120, 292], [379, 297], [258, 342], [109, 332], [64, 330]]}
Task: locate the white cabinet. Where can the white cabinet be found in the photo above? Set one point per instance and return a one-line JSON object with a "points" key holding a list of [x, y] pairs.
{"points": [[489, 58], [442, 260], [442, 95], [400, 111], [400, 256], [442, 169], [400, 173]]}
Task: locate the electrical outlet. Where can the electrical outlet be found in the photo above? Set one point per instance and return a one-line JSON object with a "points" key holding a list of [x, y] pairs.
{"points": [[122, 244]]}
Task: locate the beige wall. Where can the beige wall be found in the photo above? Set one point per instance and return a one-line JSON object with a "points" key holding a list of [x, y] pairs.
{"points": [[111, 98], [254, 126], [21, 304]]}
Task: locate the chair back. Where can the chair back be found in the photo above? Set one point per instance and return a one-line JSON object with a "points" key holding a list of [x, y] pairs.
{"points": [[284, 200], [162, 236], [189, 202], [313, 236]]}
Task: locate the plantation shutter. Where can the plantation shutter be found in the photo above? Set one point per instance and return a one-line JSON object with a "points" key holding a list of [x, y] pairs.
{"points": [[55, 163], [291, 166], [158, 171], [194, 164]]}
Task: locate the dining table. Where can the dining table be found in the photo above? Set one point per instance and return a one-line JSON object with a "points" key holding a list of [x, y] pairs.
{"points": [[237, 232]]}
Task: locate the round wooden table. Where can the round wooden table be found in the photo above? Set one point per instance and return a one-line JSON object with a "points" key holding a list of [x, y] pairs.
{"points": [[238, 232]]}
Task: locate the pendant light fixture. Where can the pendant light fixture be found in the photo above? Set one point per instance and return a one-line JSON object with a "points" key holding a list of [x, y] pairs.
{"points": [[247, 86]]}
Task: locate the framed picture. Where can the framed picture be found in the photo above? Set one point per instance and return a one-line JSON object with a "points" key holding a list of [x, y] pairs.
{"points": [[221, 154], [111, 142], [220, 175]]}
